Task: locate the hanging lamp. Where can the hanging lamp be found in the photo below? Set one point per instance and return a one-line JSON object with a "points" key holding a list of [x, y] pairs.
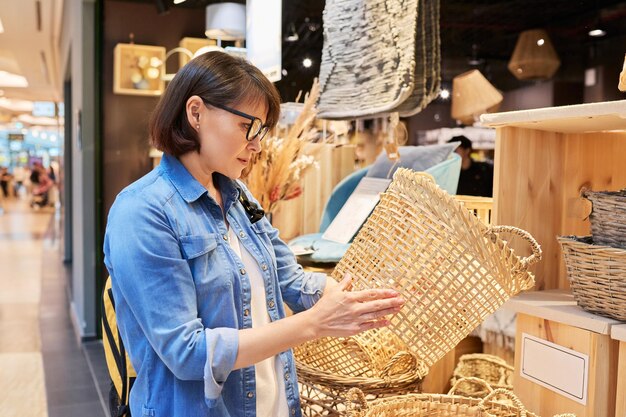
{"points": [[473, 95], [534, 56]]}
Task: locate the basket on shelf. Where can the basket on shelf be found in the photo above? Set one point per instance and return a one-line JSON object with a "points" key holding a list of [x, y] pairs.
{"points": [[597, 275], [608, 217], [489, 368], [438, 405], [375, 361], [451, 268]]}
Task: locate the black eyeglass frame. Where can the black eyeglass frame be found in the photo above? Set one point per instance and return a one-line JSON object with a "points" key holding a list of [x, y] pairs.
{"points": [[263, 129]]}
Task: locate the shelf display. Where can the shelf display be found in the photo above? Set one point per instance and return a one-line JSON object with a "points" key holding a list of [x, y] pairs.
{"points": [[138, 69]]}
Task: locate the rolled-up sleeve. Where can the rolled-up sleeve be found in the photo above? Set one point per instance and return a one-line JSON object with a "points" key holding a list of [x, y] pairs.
{"points": [[159, 305]]}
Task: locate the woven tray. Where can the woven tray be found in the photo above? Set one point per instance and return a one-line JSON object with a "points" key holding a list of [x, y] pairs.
{"points": [[451, 268], [376, 361], [487, 369], [597, 275], [608, 217], [438, 405]]}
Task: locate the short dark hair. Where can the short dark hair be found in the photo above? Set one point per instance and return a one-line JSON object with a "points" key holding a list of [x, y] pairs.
{"points": [[218, 78], [465, 142]]}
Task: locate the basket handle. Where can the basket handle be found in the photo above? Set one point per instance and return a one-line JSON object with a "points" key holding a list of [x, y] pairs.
{"points": [[469, 379], [356, 403], [501, 391], [408, 359], [534, 246]]}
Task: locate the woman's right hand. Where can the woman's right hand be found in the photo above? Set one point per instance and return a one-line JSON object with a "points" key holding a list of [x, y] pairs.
{"points": [[341, 312]]}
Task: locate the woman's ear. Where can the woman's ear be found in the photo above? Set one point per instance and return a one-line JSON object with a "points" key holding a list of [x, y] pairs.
{"points": [[193, 108]]}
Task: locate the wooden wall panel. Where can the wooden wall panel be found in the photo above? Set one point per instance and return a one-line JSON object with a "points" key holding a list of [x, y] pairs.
{"points": [[538, 177]]}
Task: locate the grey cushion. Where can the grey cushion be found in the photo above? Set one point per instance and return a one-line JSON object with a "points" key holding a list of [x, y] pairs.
{"points": [[417, 158]]}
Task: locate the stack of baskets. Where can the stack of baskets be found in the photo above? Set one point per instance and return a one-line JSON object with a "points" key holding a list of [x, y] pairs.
{"points": [[475, 373], [596, 265], [439, 405], [376, 361]]}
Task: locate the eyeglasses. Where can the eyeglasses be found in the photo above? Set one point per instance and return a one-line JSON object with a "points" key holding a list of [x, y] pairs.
{"points": [[256, 128]]}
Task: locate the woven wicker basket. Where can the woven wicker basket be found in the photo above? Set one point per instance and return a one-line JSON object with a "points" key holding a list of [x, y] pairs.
{"points": [[376, 361], [597, 275], [608, 217], [451, 269], [488, 368], [438, 405], [368, 57]]}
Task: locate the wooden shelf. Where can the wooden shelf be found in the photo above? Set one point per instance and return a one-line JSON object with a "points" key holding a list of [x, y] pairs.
{"points": [[619, 332], [561, 307], [580, 118]]}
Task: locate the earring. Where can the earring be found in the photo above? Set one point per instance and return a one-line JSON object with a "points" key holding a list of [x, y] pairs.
{"points": [[197, 127]]}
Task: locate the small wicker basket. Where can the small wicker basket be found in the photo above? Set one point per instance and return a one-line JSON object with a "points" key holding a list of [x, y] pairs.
{"points": [[451, 269], [438, 405], [488, 368], [608, 217], [597, 275], [376, 361]]}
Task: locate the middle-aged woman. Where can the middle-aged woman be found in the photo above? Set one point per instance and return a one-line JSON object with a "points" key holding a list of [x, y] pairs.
{"points": [[199, 278]]}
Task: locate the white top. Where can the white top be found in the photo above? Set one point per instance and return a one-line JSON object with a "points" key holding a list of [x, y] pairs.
{"points": [[560, 306], [271, 399], [619, 332], [580, 118]]}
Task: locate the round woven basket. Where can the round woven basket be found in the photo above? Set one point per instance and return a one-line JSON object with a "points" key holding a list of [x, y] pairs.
{"points": [[376, 361], [488, 368], [438, 405], [597, 275], [608, 217]]}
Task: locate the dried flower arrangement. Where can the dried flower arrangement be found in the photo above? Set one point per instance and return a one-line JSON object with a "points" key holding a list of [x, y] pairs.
{"points": [[274, 174]]}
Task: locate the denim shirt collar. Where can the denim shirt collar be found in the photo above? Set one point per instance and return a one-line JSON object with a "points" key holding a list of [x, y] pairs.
{"points": [[190, 189]]}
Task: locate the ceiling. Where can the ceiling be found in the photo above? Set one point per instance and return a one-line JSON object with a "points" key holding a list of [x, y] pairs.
{"points": [[29, 47], [474, 34]]}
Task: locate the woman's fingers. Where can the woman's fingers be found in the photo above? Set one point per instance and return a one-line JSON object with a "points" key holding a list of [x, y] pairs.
{"points": [[346, 282], [375, 294], [373, 315]]}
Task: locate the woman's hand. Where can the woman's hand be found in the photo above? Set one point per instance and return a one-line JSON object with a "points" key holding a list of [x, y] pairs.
{"points": [[342, 313]]}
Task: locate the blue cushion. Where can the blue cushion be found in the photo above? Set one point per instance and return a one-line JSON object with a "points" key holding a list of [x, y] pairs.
{"points": [[339, 196], [325, 251], [417, 158]]}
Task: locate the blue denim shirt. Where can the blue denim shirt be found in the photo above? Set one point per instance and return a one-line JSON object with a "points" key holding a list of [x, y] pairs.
{"points": [[182, 294]]}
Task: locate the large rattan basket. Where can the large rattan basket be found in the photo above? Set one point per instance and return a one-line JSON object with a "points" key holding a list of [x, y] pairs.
{"points": [[376, 361], [597, 275], [489, 368], [438, 405], [450, 267], [608, 217]]}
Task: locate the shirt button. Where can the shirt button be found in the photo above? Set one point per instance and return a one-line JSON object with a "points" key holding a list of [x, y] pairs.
{"points": [[246, 312], [287, 375], [264, 267], [250, 394], [242, 271], [242, 234], [293, 411], [225, 237], [271, 304]]}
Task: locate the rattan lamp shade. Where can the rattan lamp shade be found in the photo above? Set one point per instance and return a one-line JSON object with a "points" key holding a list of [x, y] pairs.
{"points": [[473, 95], [534, 56]]}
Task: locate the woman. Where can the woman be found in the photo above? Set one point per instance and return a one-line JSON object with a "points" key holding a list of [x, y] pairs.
{"points": [[199, 287]]}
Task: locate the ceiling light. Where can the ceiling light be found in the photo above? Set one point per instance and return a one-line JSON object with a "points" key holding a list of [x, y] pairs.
{"points": [[307, 62], [8, 79], [597, 33], [179, 1], [292, 35], [540, 42], [444, 93]]}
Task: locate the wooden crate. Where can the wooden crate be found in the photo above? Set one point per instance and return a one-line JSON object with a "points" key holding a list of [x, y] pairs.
{"points": [[543, 158], [138, 69], [553, 316], [618, 333]]}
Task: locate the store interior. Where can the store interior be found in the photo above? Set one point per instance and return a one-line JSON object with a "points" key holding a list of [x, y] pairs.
{"points": [[534, 92]]}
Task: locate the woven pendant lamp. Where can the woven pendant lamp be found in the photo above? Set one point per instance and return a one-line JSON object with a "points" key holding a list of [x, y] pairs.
{"points": [[534, 56], [473, 95]]}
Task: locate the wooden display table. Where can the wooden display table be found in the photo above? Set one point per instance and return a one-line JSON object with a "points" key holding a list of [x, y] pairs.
{"points": [[543, 158], [550, 318], [619, 333]]}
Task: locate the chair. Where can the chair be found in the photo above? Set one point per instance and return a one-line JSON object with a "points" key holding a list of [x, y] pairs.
{"points": [[446, 175]]}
